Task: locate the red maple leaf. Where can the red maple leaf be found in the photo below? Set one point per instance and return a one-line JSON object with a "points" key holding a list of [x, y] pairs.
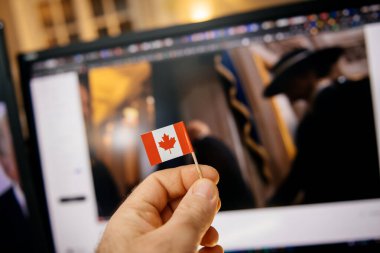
{"points": [[167, 143]]}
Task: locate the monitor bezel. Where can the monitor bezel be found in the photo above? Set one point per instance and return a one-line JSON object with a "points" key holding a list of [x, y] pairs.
{"points": [[26, 60]]}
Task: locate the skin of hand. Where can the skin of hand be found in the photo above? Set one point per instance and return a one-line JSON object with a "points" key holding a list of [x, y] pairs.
{"points": [[170, 211]]}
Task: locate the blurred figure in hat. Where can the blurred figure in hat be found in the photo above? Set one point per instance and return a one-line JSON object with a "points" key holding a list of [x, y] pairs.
{"points": [[336, 140], [299, 73]]}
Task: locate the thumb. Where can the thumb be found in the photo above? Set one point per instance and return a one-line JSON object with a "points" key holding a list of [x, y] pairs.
{"points": [[194, 214]]}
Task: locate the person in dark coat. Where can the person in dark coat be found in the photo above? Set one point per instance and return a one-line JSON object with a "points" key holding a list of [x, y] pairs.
{"points": [[233, 190], [15, 226], [337, 157], [107, 195]]}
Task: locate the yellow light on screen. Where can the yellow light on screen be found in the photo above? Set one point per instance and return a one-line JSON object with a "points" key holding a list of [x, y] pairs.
{"points": [[130, 116], [200, 11]]}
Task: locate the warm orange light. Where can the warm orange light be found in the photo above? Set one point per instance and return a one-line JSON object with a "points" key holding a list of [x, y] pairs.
{"points": [[200, 11], [130, 116]]}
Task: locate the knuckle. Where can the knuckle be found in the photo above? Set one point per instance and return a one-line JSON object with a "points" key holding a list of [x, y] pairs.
{"points": [[196, 213]]}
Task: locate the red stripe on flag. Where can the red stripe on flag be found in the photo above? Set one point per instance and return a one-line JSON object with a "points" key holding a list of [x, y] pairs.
{"points": [[183, 138], [151, 148]]}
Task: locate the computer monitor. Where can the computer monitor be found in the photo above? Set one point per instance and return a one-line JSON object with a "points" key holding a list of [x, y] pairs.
{"points": [[277, 100], [20, 223]]}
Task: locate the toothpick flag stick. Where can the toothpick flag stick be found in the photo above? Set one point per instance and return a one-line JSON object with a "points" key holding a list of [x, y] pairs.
{"points": [[169, 142], [197, 165]]}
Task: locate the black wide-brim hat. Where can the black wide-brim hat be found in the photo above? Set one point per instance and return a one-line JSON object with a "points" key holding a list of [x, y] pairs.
{"points": [[296, 61]]}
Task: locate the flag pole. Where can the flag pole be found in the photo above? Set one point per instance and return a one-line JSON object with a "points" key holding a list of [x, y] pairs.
{"points": [[197, 165]]}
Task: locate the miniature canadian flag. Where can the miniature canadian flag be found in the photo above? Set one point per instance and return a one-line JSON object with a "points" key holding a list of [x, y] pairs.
{"points": [[166, 143]]}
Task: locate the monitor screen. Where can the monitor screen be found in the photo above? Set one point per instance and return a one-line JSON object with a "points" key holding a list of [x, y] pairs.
{"points": [[284, 103]]}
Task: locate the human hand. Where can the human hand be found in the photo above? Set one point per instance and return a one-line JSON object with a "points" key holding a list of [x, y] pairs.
{"points": [[170, 211]]}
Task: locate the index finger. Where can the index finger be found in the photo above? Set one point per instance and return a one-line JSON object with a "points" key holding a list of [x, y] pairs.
{"points": [[163, 186]]}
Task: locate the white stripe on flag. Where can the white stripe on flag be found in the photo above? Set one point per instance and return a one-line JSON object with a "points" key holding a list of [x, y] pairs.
{"points": [[173, 152]]}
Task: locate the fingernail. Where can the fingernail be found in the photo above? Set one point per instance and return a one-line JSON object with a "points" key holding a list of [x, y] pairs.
{"points": [[204, 188]]}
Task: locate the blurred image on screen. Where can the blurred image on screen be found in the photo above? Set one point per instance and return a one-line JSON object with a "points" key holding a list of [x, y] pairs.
{"points": [[284, 109]]}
